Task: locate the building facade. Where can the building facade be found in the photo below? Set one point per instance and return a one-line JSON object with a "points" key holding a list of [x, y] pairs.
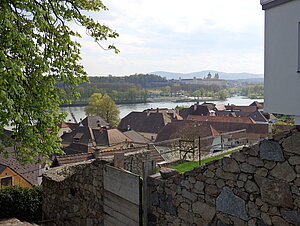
{"points": [[282, 57]]}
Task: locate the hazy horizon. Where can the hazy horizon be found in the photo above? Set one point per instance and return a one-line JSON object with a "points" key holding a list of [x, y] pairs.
{"points": [[175, 36]]}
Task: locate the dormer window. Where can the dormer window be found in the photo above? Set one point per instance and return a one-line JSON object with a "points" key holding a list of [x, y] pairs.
{"points": [[77, 137]]}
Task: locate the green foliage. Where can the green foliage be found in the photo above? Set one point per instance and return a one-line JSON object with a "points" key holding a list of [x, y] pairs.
{"points": [[22, 203], [289, 120], [253, 91], [105, 107], [222, 94], [37, 50], [190, 165], [283, 120]]}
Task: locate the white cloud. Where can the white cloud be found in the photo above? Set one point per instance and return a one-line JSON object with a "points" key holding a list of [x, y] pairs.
{"points": [[188, 16], [178, 36]]}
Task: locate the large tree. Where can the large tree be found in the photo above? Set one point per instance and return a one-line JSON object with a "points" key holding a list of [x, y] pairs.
{"points": [[105, 107], [37, 50]]}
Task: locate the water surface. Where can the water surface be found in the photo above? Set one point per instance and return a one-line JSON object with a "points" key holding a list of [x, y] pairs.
{"points": [[125, 109]]}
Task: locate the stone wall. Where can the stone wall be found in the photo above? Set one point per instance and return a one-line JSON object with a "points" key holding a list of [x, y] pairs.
{"points": [[257, 186], [133, 161], [72, 194]]}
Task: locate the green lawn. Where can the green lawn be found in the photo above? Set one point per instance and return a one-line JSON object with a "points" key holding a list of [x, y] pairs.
{"points": [[186, 166]]}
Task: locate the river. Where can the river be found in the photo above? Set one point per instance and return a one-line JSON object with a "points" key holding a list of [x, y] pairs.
{"points": [[127, 108]]}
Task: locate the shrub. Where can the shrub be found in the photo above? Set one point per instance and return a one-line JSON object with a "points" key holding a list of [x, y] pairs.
{"points": [[22, 203]]}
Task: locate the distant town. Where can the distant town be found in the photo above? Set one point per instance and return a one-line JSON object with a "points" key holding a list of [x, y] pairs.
{"points": [[142, 88]]}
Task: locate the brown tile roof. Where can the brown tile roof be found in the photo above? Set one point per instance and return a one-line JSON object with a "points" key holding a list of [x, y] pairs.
{"points": [[171, 112], [2, 167], [195, 109], [76, 148], [80, 134], [220, 119], [186, 130], [148, 122], [249, 136], [66, 159], [115, 136], [136, 137], [77, 141], [210, 106], [260, 105], [68, 125], [257, 116], [108, 155], [231, 126], [241, 108], [94, 122]]}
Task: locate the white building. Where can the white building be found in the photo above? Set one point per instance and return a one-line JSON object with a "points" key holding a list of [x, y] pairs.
{"points": [[282, 57]]}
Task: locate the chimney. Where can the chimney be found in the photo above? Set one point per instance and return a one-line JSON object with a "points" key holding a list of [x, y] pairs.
{"points": [[90, 147], [96, 153], [148, 113], [195, 107], [128, 127], [157, 110], [174, 114]]}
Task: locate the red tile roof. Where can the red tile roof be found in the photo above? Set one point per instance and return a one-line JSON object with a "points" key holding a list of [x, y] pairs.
{"points": [[220, 119]]}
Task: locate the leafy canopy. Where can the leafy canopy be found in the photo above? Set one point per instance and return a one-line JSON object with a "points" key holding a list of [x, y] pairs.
{"points": [[37, 50], [105, 107]]}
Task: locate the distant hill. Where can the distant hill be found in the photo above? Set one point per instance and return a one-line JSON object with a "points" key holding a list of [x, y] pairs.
{"points": [[252, 80], [201, 74]]}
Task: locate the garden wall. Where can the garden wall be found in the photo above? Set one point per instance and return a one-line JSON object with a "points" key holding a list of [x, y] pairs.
{"points": [[259, 185], [72, 194], [133, 161]]}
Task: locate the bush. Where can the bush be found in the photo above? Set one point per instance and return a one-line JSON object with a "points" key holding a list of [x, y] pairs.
{"points": [[22, 203]]}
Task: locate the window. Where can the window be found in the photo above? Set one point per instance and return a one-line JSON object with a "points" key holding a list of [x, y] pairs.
{"points": [[7, 181]]}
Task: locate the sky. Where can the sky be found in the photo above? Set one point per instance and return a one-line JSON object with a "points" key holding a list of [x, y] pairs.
{"points": [[178, 36]]}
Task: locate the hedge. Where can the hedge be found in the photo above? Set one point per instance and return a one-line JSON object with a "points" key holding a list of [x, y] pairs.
{"points": [[22, 203]]}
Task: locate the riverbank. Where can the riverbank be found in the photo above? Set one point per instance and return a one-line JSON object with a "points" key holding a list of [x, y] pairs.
{"points": [[83, 104], [151, 100], [125, 109]]}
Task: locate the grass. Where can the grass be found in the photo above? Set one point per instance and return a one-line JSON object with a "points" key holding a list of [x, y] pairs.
{"points": [[186, 166]]}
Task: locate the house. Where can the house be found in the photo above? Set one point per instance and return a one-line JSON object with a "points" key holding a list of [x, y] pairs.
{"points": [[171, 112], [257, 116], [66, 128], [259, 105], [189, 130], [9, 177], [221, 119], [195, 109], [282, 57], [26, 175], [94, 122], [233, 107], [147, 123], [84, 139], [136, 137]]}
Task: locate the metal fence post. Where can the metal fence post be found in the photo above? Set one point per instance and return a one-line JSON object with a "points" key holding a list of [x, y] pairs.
{"points": [[199, 150]]}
